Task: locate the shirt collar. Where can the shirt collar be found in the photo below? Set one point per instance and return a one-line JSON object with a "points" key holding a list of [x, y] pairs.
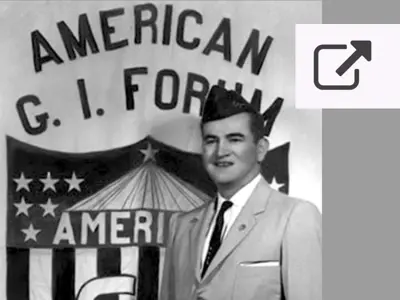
{"points": [[240, 198]]}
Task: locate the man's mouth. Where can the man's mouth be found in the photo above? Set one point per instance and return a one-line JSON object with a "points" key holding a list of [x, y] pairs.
{"points": [[223, 164]]}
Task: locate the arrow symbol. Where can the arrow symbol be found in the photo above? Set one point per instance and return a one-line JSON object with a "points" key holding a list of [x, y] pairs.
{"points": [[363, 48]]}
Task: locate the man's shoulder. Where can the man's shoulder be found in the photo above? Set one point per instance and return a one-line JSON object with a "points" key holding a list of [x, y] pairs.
{"points": [[285, 200], [186, 216], [289, 204]]}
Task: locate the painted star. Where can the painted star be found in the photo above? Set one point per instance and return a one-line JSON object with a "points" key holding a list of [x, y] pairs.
{"points": [[149, 153], [49, 208], [22, 207], [30, 233], [74, 182], [23, 183], [275, 185], [49, 182]]}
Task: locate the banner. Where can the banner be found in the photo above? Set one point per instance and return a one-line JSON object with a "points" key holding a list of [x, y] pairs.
{"points": [[100, 140]]}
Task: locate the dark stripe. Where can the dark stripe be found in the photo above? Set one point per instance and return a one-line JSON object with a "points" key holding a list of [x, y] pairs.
{"points": [[63, 274], [149, 259], [108, 264], [108, 261], [17, 274]]}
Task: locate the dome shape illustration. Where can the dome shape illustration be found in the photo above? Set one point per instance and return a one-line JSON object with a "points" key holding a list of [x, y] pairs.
{"points": [[146, 187]]}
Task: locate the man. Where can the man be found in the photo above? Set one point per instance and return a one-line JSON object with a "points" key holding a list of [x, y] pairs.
{"points": [[252, 242]]}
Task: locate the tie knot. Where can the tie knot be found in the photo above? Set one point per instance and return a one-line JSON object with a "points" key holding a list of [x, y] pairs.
{"points": [[225, 206]]}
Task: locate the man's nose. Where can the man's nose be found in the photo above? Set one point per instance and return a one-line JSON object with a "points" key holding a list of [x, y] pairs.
{"points": [[223, 149]]}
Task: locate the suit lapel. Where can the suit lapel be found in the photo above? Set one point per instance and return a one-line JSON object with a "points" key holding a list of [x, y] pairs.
{"points": [[243, 224], [198, 234]]}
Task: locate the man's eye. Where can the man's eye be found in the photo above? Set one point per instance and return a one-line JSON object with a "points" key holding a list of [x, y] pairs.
{"points": [[209, 141], [235, 140]]}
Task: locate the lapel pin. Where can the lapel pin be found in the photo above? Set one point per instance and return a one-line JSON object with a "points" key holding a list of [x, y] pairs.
{"points": [[242, 227]]}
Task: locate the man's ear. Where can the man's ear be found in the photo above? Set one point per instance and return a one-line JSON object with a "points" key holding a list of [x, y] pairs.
{"points": [[262, 148]]}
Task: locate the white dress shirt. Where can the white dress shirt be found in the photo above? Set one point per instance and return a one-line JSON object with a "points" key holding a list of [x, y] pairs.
{"points": [[239, 200]]}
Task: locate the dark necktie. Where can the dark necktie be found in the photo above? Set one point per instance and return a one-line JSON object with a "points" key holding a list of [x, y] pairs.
{"points": [[215, 241]]}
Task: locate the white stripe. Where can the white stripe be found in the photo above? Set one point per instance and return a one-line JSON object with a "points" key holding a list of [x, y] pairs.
{"points": [[161, 268], [40, 270], [119, 284], [126, 297], [130, 263], [85, 266]]}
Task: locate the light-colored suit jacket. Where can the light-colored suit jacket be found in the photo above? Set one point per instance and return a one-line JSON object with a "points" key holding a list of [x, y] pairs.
{"points": [[273, 251]]}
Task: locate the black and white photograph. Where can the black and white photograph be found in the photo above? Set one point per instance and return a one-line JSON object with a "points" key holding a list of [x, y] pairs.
{"points": [[152, 150]]}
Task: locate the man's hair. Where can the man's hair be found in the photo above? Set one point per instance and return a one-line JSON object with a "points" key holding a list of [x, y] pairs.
{"points": [[256, 123]]}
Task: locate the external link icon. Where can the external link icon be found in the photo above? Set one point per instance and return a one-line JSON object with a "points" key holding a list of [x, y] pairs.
{"points": [[363, 48]]}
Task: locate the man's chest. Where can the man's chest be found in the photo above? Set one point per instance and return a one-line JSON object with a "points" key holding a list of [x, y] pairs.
{"points": [[263, 240]]}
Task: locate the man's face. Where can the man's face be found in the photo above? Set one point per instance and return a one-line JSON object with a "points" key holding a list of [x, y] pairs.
{"points": [[230, 154]]}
